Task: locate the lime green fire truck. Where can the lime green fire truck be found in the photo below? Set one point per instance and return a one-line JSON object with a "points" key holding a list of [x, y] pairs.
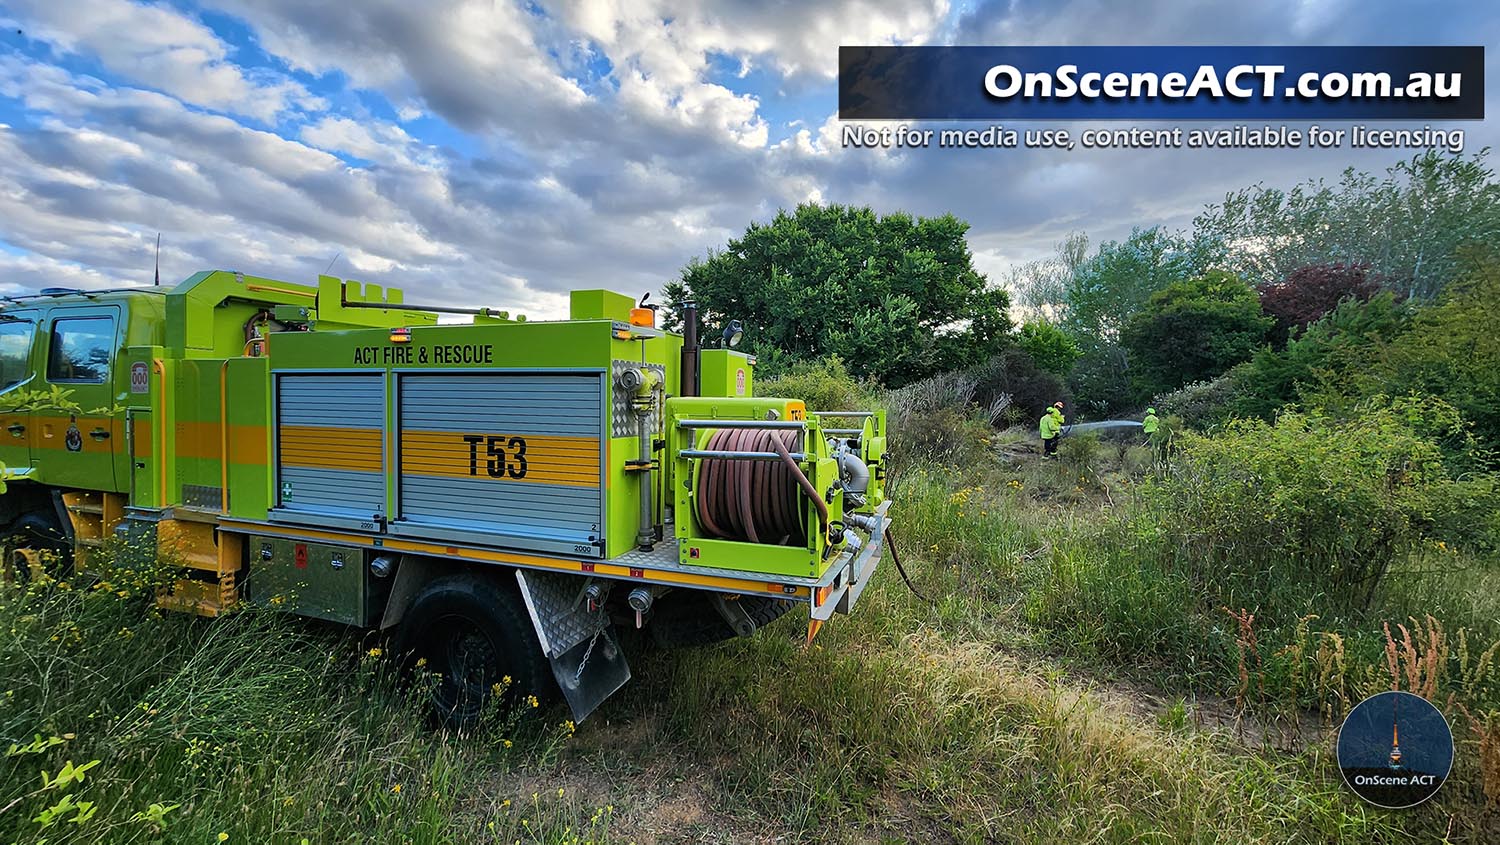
{"points": [[499, 493]]}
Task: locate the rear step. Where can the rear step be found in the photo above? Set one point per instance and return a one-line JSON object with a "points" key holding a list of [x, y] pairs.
{"points": [[209, 559], [93, 515]]}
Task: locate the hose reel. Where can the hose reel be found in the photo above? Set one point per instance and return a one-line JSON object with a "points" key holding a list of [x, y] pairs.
{"points": [[756, 501]]}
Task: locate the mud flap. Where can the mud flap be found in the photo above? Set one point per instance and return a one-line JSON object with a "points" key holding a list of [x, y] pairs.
{"points": [[580, 644]]}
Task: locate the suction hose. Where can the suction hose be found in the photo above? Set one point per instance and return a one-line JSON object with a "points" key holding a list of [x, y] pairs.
{"points": [[756, 500]]}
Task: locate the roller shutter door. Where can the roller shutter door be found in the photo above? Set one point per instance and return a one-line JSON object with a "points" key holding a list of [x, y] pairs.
{"points": [[510, 459], [329, 445]]}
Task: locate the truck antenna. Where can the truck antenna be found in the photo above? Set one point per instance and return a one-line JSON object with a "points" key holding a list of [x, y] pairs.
{"points": [[336, 257], [158, 260]]}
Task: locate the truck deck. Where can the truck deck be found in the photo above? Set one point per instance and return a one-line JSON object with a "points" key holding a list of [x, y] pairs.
{"points": [[834, 591]]}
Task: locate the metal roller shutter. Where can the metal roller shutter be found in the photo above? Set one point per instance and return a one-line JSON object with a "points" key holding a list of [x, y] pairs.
{"points": [[511, 459], [330, 455]]}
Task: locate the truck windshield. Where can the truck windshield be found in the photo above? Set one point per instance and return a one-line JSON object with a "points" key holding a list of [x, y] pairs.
{"points": [[15, 352]]}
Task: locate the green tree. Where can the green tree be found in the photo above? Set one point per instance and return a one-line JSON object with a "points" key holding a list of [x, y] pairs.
{"points": [[1408, 226], [1050, 347], [1104, 292], [1452, 351], [1039, 289], [1318, 364], [1192, 331], [895, 296]]}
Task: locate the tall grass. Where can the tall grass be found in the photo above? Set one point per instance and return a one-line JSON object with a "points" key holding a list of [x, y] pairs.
{"points": [[1107, 573], [1006, 710], [254, 727], [885, 733]]}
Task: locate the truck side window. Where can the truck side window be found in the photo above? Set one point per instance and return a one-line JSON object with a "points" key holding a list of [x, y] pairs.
{"points": [[81, 350], [15, 352]]}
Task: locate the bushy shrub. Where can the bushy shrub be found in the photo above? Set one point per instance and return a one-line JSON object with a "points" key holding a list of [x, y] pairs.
{"points": [[1202, 404], [1080, 451], [946, 390], [1101, 380], [824, 385], [1137, 459], [1193, 331], [1322, 361], [1451, 350], [1269, 515], [937, 420], [1307, 293], [1013, 373]]}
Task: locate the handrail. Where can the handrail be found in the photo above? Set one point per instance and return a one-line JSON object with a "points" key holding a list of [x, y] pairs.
{"points": [[161, 486], [223, 436], [769, 425], [730, 455]]}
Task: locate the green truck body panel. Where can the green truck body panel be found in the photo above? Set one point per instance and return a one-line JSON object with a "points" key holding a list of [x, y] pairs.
{"points": [[341, 407], [725, 372]]}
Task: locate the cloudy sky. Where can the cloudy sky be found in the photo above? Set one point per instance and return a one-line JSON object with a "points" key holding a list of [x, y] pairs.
{"points": [[498, 153]]}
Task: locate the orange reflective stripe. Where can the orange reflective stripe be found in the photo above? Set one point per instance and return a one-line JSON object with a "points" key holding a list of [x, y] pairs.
{"points": [[535, 458], [316, 447]]}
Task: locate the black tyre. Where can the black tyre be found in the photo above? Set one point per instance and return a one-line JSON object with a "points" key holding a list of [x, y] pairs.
{"points": [[473, 633], [688, 618], [40, 533]]}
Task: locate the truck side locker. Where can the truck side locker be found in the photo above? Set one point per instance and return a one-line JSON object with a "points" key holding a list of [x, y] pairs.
{"points": [[330, 453]]}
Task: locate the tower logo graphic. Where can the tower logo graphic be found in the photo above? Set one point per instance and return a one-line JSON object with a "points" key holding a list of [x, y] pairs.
{"points": [[1376, 764]]}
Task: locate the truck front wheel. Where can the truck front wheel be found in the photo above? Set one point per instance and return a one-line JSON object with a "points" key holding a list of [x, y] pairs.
{"points": [[476, 637], [36, 537]]}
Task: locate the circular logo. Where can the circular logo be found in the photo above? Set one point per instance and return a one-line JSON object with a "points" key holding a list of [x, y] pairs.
{"points": [[73, 438], [1395, 749]]}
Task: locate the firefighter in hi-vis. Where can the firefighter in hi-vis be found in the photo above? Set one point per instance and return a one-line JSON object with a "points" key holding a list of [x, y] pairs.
{"points": [[1149, 426], [1051, 427]]}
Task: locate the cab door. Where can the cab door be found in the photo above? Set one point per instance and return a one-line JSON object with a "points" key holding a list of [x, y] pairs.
{"points": [[18, 330], [79, 436]]}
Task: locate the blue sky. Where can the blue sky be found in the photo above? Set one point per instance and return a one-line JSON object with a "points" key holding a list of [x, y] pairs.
{"points": [[498, 153]]}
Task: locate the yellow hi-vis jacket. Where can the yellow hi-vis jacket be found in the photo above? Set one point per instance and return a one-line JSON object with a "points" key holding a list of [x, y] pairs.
{"points": [[1050, 425]]}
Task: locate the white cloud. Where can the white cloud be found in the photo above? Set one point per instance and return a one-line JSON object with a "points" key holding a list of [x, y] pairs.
{"points": [[163, 49], [372, 140], [794, 37], [478, 63], [602, 143]]}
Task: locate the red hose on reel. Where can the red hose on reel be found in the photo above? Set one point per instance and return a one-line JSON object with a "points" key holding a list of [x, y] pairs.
{"points": [[755, 500]]}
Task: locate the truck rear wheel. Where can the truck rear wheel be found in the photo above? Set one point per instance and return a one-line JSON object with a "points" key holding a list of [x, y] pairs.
{"points": [[474, 634]]}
